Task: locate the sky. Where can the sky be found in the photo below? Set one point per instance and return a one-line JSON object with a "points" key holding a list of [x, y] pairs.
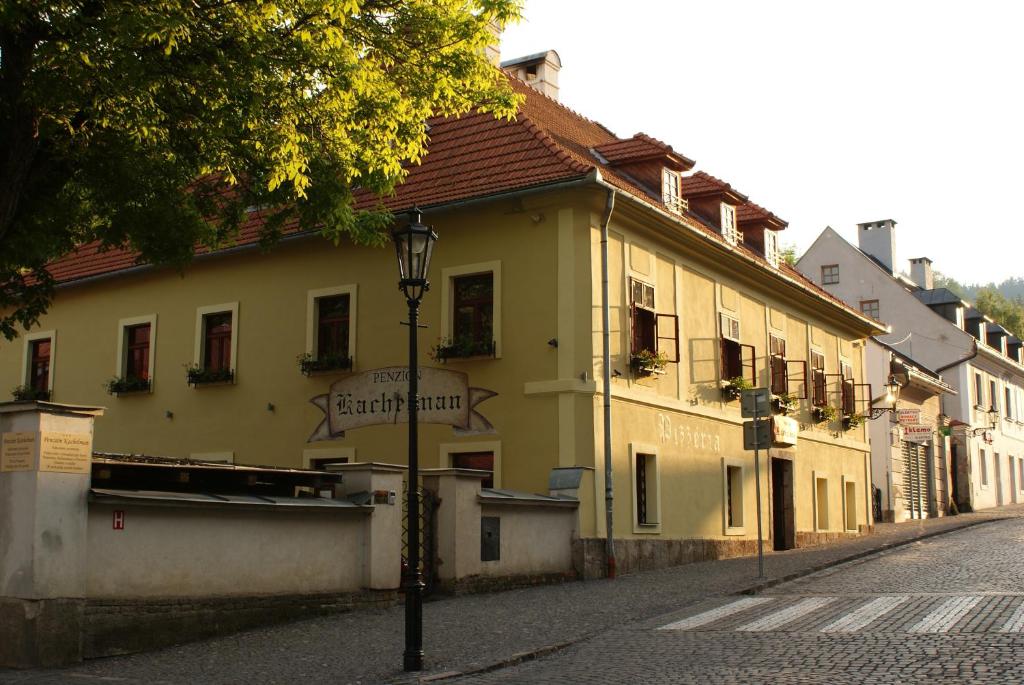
{"points": [[825, 113]]}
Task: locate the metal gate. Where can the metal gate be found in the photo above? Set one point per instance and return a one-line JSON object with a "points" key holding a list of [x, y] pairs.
{"points": [[429, 503], [915, 479]]}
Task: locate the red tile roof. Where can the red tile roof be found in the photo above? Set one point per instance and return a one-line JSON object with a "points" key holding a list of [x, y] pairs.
{"points": [[639, 148], [476, 156], [749, 212]]}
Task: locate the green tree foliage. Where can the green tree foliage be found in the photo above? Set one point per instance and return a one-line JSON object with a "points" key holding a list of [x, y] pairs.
{"points": [[1009, 313], [788, 254], [110, 111]]}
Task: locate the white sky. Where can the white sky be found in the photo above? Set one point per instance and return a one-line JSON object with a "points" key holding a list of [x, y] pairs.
{"points": [[825, 113]]}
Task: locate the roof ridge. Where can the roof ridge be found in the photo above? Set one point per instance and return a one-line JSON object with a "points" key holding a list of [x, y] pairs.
{"points": [[548, 141]]}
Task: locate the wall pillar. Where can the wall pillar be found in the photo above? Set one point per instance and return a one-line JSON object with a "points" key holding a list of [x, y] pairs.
{"points": [[382, 485], [45, 468], [458, 520]]}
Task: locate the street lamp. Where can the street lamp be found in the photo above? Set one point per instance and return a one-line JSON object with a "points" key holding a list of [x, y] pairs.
{"points": [[414, 245], [892, 392]]}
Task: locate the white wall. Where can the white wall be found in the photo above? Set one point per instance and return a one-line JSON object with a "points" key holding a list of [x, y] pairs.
{"points": [[534, 540]]}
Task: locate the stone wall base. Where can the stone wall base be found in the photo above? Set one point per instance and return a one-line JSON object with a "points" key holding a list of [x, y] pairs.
{"points": [[481, 584], [40, 632], [117, 626], [807, 539], [633, 555]]}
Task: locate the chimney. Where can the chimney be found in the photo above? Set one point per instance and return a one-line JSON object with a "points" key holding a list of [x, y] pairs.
{"points": [[921, 273], [539, 71], [878, 240], [493, 49]]}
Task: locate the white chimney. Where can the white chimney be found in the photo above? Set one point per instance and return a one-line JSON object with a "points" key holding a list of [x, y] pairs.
{"points": [[921, 273], [539, 71], [878, 239]]}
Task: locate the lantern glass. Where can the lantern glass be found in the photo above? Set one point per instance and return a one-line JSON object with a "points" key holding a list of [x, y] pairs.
{"points": [[414, 246]]}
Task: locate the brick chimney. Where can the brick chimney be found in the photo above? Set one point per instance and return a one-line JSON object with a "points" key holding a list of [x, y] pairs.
{"points": [[921, 273], [539, 71], [878, 239]]}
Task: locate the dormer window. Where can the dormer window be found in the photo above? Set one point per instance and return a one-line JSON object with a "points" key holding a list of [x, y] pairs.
{"points": [[670, 191], [771, 248], [729, 230]]}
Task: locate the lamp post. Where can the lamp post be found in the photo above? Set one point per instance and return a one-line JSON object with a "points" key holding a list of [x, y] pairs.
{"points": [[414, 245]]}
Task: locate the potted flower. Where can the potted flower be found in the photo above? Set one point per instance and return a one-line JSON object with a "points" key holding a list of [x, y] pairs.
{"points": [[308, 364], [824, 413], [853, 420], [647, 363], [784, 403], [128, 384], [734, 387], [26, 393], [198, 375]]}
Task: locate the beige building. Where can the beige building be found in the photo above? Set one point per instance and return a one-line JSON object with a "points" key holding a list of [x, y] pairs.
{"points": [[222, 362]]}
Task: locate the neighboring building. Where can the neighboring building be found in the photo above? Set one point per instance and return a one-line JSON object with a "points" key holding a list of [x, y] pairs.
{"points": [[981, 426], [698, 298]]}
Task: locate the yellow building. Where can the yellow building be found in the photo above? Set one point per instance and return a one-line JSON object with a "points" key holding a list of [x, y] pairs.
{"points": [[222, 362]]}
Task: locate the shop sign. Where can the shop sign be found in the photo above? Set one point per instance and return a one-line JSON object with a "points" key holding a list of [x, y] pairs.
{"points": [[784, 431], [909, 417], [380, 396], [919, 433]]}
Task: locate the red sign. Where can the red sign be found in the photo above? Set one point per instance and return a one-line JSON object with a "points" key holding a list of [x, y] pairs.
{"points": [[118, 520]]}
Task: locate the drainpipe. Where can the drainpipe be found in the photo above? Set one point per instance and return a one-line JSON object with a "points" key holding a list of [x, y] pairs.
{"points": [[606, 378]]}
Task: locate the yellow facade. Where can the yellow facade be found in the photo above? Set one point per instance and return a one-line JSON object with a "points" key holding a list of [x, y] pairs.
{"points": [[544, 249]]}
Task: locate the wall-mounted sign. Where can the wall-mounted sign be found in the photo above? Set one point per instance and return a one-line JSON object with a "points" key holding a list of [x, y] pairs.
{"points": [[18, 452], [784, 431], [920, 433], [65, 452], [380, 396], [909, 417]]}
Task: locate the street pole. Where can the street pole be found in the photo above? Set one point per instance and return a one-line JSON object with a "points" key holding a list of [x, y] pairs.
{"points": [[413, 582], [757, 493]]}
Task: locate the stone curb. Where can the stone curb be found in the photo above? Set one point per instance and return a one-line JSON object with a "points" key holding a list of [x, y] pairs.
{"points": [[546, 650]]}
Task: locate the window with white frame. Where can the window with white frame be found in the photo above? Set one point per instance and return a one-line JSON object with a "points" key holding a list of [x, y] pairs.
{"points": [[670, 191], [471, 312], [330, 329], [646, 488], [729, 228], [215, 357], [37, 366], [979, 391], [771, 248], [983, 465], [993, 395], [1010, 409], [136, 358], [737, 358]]}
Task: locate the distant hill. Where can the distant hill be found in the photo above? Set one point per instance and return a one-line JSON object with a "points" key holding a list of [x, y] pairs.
{"points": [[1004, 302]]}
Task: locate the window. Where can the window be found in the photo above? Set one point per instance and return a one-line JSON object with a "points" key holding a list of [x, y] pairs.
{"points": [[729, 230], [851, 506], [821, 503], [849, 391], [471, 311], [39, 366], [645, 320], [830, 274], [330, 329], [979, 391], [734, 362], [870, 308], [819, 397], [135, 354], [646, 489], [983, 464], [993, 395], [777, 365], [136, 362], [332, 326], [670, 191], [216, 348], [771, 247], [481, 461], [733, 497], [1009, 403]]}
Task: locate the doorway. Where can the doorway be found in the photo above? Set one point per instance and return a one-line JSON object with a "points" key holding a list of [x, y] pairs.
{"points": [[783, 519]]}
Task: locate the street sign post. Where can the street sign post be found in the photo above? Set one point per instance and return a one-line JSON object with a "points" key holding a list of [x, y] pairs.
{"points": [[754, 404]]}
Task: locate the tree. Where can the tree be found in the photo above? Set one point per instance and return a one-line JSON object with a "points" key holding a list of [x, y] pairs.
{"points": [[1004, 311], [154, 125], [788, 254]]}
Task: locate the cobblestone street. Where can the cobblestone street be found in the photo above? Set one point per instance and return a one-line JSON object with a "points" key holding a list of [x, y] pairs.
{"points": [[950, 608], [605, 631]]}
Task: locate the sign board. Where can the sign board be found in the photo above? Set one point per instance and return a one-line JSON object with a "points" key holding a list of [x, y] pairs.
{"points": [[757, 435], [18, 452], [909, 417], [118, 519], [784, 431], [919, 433], [757, 398], [380, 397], [65, 452]]}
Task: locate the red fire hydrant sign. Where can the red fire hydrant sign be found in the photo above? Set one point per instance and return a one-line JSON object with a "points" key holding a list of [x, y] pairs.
{"points": [[118, 520]]}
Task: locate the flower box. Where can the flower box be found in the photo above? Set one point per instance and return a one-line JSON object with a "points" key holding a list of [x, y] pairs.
{"points": [[127, 385], [462, 348], [646, 363], [310, 365], [734, 387], [197, 376], [26, 393]]}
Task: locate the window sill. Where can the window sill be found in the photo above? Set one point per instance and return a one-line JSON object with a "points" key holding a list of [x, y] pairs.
{"points": [[647, 528], [736, 531]]}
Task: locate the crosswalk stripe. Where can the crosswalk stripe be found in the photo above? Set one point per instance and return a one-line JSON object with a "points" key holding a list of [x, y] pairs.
{"points": [[1016, 622], [946, 615], [787, 615], [863, 616], [715, 614]]}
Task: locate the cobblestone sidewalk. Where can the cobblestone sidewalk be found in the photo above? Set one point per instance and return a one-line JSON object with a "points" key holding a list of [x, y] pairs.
{"points": [[478, 632]]}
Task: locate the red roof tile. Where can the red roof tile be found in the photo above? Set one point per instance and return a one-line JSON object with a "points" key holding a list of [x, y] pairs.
{"points": [[639, 148]]}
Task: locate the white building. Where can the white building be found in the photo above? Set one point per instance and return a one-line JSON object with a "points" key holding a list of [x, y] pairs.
{"points": [[982, 421]]}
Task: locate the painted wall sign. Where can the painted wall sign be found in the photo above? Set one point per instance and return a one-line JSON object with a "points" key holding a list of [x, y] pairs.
{"points": [[687, 436], [909, 417], [65, 452], [784, 431], [380, 396], [18, 452], [920, 433]]}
